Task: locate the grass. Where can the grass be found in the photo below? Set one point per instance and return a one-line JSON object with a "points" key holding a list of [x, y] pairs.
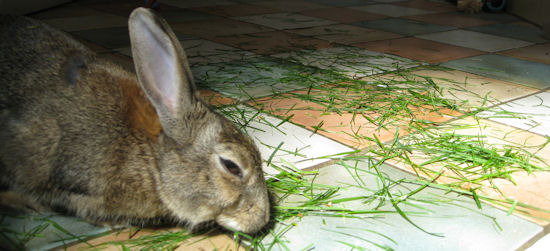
{"points": [[450, 165]]}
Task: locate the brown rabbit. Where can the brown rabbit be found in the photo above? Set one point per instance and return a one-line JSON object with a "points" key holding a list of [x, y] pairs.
{"points": [[81, 135]]}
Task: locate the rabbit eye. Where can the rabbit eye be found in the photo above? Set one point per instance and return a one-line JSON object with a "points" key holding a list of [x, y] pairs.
{"points": [[232, 167]]}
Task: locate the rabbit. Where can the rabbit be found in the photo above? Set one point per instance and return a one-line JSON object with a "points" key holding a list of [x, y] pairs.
{"points": [[82, 136]]}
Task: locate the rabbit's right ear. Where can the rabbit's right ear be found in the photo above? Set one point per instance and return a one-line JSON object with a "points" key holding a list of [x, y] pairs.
{"points": [[161, 67]]}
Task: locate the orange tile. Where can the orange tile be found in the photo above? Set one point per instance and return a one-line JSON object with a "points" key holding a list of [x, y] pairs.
{"points": [[539, 53], [529, 188], [450, 20], [342, 15], [272, 42], [420, 49], [345, 34], [217, 27], [215, 99], [344, 123], [235, 10]]}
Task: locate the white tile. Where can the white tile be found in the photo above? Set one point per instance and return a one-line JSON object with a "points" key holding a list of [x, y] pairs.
{"points": [[285, 20], [475, 40], [541, 245], [299, 146], [391, 10], [351, 61], [458, 221], [531, 113]]}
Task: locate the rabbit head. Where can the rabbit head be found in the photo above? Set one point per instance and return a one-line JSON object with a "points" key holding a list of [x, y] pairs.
{"points": [[207, 169]]}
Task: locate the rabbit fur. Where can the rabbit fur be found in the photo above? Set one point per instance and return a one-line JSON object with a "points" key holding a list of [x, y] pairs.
{"points": [[82, 136]]}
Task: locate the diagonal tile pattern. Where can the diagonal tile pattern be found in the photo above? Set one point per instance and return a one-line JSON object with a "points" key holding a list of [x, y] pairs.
{"points": [[359, 91]]}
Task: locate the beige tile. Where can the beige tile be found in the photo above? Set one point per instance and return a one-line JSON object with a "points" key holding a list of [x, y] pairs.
{"points": [[472, 89], [528, 188]]}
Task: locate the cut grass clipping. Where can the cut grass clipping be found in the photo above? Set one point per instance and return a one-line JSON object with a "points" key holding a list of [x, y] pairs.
{"points": [[468, 161]]}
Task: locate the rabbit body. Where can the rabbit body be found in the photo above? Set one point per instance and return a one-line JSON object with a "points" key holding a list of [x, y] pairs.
{"points": [[81, 135]]}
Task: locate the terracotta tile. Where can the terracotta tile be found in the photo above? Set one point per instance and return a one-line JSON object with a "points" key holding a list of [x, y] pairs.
{"points": [[290, 5], [236, 10], [342, 15], [469, 90], [215, 99], [429, 5], [529, 188], [420, 49], [451, 20], [345, 34], [539, 53], [218, 27], [342, 123], [272, 42]]}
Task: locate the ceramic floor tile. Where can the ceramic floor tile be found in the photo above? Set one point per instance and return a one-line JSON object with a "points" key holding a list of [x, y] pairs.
{"points": [[539, 53], [475, 40], [283, 21], [499, 139], [197, 3], [326, 111], [237, 10], [342, 15], [505, 68], [501, 17], [116, 37], [272, 42], [217, 27], [454, 217], [351, 61], [64, 11], [420, 49], [177, 15], [449, 19], [49, 237], [119, 8], [541, 245], [286, 144], [518, 30], [345, 34], [403, 26], [469, 90], [438, 6], [290, 5], [88, 22], [531, 113], [201, 51], [344, 3], [391, 10], [258, 77]]}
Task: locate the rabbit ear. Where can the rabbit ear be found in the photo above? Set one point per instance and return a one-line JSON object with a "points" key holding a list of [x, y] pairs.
{"points": [[161, 66]]}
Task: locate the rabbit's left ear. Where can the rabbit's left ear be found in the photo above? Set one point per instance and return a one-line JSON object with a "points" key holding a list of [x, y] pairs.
{"points": [[162, 68]]}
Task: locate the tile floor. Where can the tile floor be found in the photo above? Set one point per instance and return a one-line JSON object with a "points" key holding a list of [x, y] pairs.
{"points": [[335, 77]]}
